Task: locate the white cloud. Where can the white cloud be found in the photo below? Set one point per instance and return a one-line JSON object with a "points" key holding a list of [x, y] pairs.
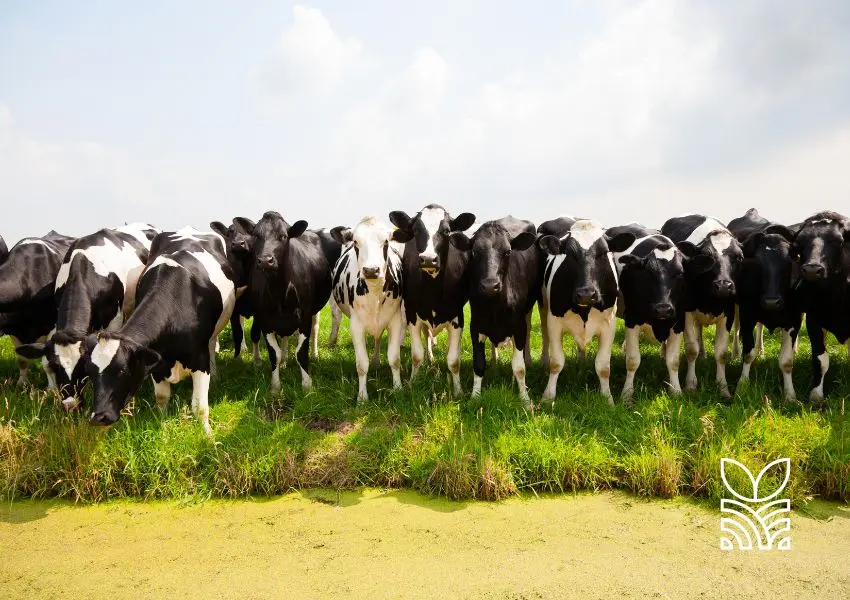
{"points": [[423, 84], [5, 116], [308, 55]]}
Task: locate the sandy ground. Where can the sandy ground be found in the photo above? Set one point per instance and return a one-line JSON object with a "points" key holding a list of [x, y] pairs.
{"points": [[376, 544]]}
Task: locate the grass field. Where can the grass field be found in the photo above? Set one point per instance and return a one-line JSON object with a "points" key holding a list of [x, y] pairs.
{"points": [[486, 448]]}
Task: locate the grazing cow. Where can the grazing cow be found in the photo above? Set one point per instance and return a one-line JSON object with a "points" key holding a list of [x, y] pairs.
{"points": [[712, 260], [823, 247], [504, 279], [95, 290], [27, 287], [367, 286], [765, 295], [290, 282], [436, 283], [185, 297], [580, 290], [652, 289]]}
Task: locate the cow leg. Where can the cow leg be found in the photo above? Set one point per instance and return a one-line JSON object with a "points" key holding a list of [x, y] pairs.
{"points": [[429, 343], [455, 332], [417, 352], [361, 356], [201, 399], [603, 358], [671, 357], [693, 334], [302, 356], [632, 350], [479, 362], [314, 337], [820, 360], [721, 353], [749, 349], [736, 328], [51, 376], [760, 340], [518, 366], [162, 393], [786, 365], [336, 319], [274, 359], [256, 334], [544, 333], [556, 356], [395, 337], [213, 349], [238, 334]]}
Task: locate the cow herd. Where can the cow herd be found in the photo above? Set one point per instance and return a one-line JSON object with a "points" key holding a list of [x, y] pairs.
{"points": [[110, 308]]}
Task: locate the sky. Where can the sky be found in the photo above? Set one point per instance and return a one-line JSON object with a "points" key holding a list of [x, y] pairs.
{"points": [[179, 113]]}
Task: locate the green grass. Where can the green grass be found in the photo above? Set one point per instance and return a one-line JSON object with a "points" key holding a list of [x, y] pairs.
{"points": [[486, 448]]}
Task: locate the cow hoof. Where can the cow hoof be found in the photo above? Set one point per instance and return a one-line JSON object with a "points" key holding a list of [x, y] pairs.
{"points": [[71, 403], [690, 386], [724, 393], [674, 392]]}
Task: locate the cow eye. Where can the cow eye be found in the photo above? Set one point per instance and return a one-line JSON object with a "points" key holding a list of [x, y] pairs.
{"points": [[506, 253]]}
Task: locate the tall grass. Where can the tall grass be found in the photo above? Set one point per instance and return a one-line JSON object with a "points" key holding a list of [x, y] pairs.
{"points": [[420, 437]]}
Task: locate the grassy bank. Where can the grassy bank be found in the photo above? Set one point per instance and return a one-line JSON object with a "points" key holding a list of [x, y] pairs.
{"points": [[420, 437]]}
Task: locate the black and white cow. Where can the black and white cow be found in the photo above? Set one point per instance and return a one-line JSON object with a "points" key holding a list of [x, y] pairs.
{"points": [[95, 290], [822, 246], [290, 282], [652, 289], [27, 287], [367, 285], [558, 227], [580, 290], [713, 259], [504, 279], [333, 240], [436, 281], [184, 298], [765, 287]]}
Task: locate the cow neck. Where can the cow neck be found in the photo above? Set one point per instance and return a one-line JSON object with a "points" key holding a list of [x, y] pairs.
{"points": [[14, 293], [75, 311], [148, 323]]}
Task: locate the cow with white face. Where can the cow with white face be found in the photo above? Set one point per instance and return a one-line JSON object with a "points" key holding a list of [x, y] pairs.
{"points": [[96, 290], [580, 289], [436, 282], [367, 286], [185, 297], [713, 259]]}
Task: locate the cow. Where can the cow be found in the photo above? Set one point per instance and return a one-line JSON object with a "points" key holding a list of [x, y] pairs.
{"points": [[184, 298], [652, 293], [27, 287], [95, 290], [822, 246], [709, 287], [558, 227], [333, 240], [436, 285], [580, 290], [290, 282], [504, 283], [765, 287], [368, 280]]}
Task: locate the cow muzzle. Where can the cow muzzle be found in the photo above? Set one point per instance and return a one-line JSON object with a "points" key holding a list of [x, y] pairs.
{"points": [[772, 303], [371, 272], [102, 419], [813, 272], [491, 287], [723, 288], [586, 296], [429, 264], [267, 261], [664, 310]]}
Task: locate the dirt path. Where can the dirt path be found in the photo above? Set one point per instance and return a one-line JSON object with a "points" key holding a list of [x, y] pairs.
{"points": [[398, 545]]}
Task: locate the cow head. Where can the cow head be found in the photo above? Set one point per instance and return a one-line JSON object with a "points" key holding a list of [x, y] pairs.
{"points": [[342, 234], [430, 229], [117, 367], [718, 257], [768, 254], [490, 249], [62, 355], [239, 241], [660, 275], [371, 240], [271, 239], [819, 245], [585, 249]]}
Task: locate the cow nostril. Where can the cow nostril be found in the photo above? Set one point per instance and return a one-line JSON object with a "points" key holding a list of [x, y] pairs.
{"points": [[812, 271]]}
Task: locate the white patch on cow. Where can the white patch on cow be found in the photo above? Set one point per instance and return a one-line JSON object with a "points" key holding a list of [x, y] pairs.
{"points": [[137, 230], [108, 259], [163, 259], [668, 254], [721, 241], [431, 219], [822, 222], [586, 232], [178, 373], [704, 320], [216, 275], [62, 276], [37, 242], [69, 355], [708, 226], [188, 233], [584, 331], [370, 235], [104, 353]]}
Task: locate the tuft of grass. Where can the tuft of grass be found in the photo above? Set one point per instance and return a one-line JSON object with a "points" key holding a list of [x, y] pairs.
{"points": [[421, 437]]}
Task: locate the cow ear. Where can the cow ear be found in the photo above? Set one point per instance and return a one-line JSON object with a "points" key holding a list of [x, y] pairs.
{"points": [[400, 219], [219, 228], [342, 234], [630, 260], [700, 263], [550, 244], [782, 230], [462, 222], [401, 236], [751, 242], [688, 249], [460, 241], [31, 351], [297, 229], [244, 225], [620, 242], [4, 250], [523, 241]]}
